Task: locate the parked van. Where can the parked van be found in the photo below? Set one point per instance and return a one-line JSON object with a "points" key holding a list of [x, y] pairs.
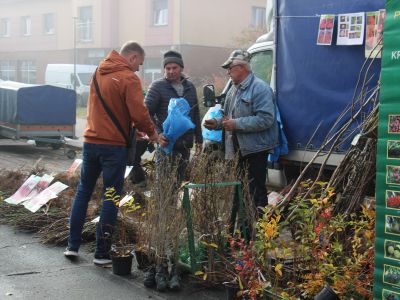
{"points": [[62, 75]]}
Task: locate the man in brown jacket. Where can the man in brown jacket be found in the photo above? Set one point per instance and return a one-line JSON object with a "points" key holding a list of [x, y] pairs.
{"points": [[104, 148]]}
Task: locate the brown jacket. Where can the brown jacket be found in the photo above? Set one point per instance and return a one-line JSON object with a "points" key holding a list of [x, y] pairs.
{"points": [[121, 90]]}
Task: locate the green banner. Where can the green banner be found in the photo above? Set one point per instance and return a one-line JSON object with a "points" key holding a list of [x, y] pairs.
{"points": [[387, 243]]}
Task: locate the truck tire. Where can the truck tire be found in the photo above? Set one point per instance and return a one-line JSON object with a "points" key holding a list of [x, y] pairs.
{"points": [[71, 154], [41, 144], [56, 146]]}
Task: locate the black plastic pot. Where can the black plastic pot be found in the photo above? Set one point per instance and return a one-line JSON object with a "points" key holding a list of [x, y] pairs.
{"points": [[230, 292], [142, 260], [327, 293], [122, 265]]}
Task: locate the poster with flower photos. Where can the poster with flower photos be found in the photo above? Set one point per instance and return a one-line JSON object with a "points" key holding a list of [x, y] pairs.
{"points": [[374, 33], [387, 236], [325, 30], [351, 29]]}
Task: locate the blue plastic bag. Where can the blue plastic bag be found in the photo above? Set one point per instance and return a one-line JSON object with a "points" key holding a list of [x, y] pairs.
{"points": [[282, 148], [213, 135], [177, 122]]}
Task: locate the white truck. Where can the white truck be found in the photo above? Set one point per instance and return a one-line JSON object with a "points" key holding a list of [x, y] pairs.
{"points": [[62, 75]]}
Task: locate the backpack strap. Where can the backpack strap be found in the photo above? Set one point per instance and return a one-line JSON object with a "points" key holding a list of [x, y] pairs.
{"points": [[109, 112]]}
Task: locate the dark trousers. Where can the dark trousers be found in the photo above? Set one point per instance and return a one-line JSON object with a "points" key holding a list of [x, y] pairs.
{"points": [[111, 162], [181, 157], [256, 166], [138, 175]]}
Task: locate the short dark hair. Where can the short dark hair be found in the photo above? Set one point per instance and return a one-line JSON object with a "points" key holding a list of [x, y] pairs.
{"points": [[131, 46]]}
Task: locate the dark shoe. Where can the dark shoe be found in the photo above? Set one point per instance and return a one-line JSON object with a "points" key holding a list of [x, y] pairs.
{"points": [[149, 279], [161, 278], [175, 280], [175, 283]]}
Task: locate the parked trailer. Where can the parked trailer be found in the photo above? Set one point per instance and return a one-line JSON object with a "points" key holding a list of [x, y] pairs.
{"points": [[43, 113]]}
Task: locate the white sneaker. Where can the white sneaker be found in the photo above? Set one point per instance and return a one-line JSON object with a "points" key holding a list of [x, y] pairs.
{"points": [[70, 254], [102, 261]]}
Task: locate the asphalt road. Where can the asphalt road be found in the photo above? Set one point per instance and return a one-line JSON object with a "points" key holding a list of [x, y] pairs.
{"points": [[30, 270]]}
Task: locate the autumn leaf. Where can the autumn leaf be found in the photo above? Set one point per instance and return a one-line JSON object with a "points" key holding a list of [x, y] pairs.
{"points": [[278, 269], [213, 245], [369, 234], [240, 283], [199, 273]]}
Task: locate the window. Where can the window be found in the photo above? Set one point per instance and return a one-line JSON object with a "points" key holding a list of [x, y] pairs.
{"points": [[261, 63], [5, 27], [28, 71], [160, 12], [48, 24], [151, 70], [85, 22], [258, 17], [8, 70], [150, 75], [26, 25]]}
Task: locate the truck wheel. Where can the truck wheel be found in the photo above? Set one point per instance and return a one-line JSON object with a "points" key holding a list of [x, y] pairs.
{"points": [[40, 144], [55, 146], [71, 154]]}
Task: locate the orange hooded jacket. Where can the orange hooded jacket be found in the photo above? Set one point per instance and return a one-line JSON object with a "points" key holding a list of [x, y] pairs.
{"points": [[121, 90]]}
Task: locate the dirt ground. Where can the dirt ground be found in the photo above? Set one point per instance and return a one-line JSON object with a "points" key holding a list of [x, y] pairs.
{"points": [[23, 155], [20, 155]]}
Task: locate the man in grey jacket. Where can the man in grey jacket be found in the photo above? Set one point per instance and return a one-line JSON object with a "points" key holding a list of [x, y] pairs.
{"points": [[250, 125]]}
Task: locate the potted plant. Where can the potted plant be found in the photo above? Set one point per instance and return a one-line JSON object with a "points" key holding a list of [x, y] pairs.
{"points": [[327, 293], [122, 250]]}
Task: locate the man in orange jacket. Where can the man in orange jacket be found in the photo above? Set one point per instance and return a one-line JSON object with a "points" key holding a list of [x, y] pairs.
{"points": [[104, 148]]}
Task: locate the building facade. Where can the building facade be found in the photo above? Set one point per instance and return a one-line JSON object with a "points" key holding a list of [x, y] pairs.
{"points": [[34, 33]]}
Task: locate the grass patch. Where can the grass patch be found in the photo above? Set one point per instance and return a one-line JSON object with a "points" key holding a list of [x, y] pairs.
{"points": [[81, 112]]}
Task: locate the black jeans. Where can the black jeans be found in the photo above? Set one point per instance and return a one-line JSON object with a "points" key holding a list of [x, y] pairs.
{"points": [[256, 166], [138, 175]]}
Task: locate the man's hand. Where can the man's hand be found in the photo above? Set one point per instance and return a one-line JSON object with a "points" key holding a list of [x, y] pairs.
{"points": [[162, 140], [210, 124], [159, 139], [154, 137], [229, 124]]}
